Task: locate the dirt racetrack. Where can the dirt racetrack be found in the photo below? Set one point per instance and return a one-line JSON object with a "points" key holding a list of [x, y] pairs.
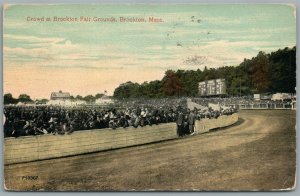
{"points": [[258, 153]]}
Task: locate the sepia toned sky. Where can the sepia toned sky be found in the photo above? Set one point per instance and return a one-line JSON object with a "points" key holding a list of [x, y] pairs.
{"points": [[90, 57]]}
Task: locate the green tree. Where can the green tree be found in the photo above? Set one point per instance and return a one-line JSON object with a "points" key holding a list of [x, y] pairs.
{"points": [[24, 98], [98, 95], [8, 99], [127, 90], [79, 97], [260, 73], [283, 72], [171, 84], [89, 98], [41, 101]]}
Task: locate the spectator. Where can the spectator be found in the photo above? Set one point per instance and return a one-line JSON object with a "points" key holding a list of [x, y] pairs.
{"points": [[37, 120]]}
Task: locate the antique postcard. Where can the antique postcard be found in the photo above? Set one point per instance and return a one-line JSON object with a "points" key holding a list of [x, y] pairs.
{"points": [[149, 97]]}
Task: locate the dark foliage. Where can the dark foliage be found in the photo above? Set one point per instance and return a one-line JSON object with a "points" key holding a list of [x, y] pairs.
{"points": [[265, 73]]}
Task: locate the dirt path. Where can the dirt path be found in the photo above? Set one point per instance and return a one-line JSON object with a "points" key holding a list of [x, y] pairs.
{"points": [[257, 153]]}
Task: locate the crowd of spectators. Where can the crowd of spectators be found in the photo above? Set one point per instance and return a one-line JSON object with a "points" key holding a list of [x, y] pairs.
{"points": [[243, 100], [38, 120]]}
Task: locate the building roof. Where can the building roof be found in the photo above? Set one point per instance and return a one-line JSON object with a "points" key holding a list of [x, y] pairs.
{"points": [[60, 94]]}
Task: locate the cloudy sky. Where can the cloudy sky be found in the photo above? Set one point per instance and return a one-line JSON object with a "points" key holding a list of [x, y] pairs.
{"points": [[90, 57]]}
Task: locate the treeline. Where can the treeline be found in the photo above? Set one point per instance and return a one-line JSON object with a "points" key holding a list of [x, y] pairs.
{"points": [[265, 73], [88, 98], [24, 98]]}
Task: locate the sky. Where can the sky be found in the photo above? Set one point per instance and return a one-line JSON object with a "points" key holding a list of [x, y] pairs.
{"points": [[90, 57]]}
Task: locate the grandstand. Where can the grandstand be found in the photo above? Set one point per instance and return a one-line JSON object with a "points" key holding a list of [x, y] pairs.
{"points": [[215, 87]]}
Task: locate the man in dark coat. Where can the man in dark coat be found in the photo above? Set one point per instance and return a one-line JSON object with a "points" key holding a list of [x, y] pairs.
{"points": [[191, 121], [179, 123]]}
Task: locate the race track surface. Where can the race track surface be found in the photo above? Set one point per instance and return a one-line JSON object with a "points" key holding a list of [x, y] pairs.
{"points": [[257, 153]]}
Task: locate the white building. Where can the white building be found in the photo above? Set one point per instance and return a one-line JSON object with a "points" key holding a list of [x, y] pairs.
{"points": [[60, 95]]}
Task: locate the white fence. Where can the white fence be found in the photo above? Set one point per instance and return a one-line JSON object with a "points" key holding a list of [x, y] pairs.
{"points": [[266, 106]]}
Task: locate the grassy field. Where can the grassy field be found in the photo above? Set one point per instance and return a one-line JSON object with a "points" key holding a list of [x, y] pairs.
{"points": [[258, 153]]}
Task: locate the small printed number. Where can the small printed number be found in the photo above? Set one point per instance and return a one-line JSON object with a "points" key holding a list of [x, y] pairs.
{"points": [[30, 177]]}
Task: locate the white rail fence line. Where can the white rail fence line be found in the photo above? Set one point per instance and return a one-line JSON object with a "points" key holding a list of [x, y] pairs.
{"points": [[266, 106]]}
